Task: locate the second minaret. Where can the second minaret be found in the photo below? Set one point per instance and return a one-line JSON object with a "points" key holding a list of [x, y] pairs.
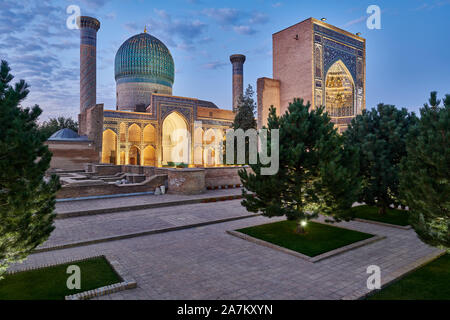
{"points": [[237, 61]]}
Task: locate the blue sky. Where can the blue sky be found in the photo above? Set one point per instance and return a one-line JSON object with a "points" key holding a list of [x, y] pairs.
{"points": [[406, 59]]}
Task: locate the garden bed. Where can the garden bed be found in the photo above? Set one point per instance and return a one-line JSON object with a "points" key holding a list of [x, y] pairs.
{"points": [[430, 282], [49, 283], [319, 241]]}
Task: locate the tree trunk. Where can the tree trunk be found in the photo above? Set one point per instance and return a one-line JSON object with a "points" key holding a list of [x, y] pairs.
{"points": [[382, 210], [300, 229]]}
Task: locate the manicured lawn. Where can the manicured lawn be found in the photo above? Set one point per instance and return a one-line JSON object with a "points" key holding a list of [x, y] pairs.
{"points": [[431, 282], [392, 216], [50, 283], [320, 238]]}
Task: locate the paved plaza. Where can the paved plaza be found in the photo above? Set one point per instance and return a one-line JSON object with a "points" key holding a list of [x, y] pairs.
{"points": [[207, 263]]}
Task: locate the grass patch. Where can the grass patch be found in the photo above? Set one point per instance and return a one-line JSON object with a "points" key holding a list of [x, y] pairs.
{"points": [[392, 216], [320, 238], [50, 283], [431, 282]]}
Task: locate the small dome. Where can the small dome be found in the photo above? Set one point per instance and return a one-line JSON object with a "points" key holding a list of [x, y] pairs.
{"points": [[66, 134], [144, 58]]}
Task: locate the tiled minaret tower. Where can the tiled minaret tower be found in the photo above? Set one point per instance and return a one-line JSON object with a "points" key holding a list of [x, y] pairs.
{"points": [[238, 78], [88, 61]]}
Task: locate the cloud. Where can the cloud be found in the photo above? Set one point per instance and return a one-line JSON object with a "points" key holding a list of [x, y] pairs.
{"points": [[277, 4], [214, 65], [240, 21], [182, 33], [110, 16], [37, 52], [433, 5], [355, 21], [259, 18], [224, 16], [95, 4], [245, 30]]}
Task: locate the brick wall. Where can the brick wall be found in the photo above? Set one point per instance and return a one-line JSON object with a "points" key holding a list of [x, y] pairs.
{"points": [[69, 155], [268, 91], [293, 62]]}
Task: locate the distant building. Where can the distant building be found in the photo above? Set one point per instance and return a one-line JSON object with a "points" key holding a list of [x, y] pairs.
{"points": [[320, 63], [142, 130]]}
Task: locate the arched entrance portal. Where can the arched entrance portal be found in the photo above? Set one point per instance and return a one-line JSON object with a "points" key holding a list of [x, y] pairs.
{"points": [[134, 156], [339, 91], [149, 156], [109, 147], [175, 139]]}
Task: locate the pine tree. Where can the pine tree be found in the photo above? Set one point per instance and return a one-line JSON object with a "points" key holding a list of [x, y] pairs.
{"points": [[52, 125], [245, 120], [245, 116], [316, 174], [425, 173], [27, 197], [380, 137]]}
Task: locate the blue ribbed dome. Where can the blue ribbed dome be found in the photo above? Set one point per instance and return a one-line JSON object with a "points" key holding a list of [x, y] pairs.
{"points": [[66, 134], [144, 58]]}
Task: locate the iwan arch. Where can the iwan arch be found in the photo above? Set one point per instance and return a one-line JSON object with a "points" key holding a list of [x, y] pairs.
{"points": [[320, 63]]}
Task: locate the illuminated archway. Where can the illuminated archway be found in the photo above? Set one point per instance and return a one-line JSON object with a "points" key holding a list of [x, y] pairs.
{"points": [[339, 91], [198, 136], [122, 157], [210, 137], [149, 134], [109, 147], [149, 156], [210, 156], [175, 139], [134, 156], [198, 155], [134, 134], [122, 132]]}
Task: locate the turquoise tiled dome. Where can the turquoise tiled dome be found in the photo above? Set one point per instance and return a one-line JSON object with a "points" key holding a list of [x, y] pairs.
{"points": [[144, 58]]}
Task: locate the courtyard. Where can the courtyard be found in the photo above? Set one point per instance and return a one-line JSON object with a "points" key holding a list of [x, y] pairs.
{"points": [[184, 252]]}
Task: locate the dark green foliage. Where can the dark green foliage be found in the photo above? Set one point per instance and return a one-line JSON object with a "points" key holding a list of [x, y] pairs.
{"points": [[425, 173], [392, 216], [245, 116], [27, 199], [316, 174], [50, 283], [427, 283], [55, 124], [319, 239], [380, 136], [245, 120]]}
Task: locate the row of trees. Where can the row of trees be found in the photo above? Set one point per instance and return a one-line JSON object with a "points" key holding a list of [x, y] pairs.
{"points": [[387, 157], [52, 125]]}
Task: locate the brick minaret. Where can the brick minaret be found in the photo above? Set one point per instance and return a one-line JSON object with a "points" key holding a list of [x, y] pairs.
{"points": [[88, 61], [238, 78]]}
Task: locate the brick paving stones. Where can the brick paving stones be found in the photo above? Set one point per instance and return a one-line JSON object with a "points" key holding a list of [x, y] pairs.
{"points": [[207, 263]]}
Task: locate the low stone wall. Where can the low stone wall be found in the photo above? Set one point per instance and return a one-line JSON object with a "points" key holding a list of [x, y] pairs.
{"points": [[99, 188], [186, 181], [103, 169], [98, 178], [222, 176]]}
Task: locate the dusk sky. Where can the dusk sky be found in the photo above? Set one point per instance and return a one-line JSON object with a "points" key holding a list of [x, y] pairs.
{"points": [[406, 59]]}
